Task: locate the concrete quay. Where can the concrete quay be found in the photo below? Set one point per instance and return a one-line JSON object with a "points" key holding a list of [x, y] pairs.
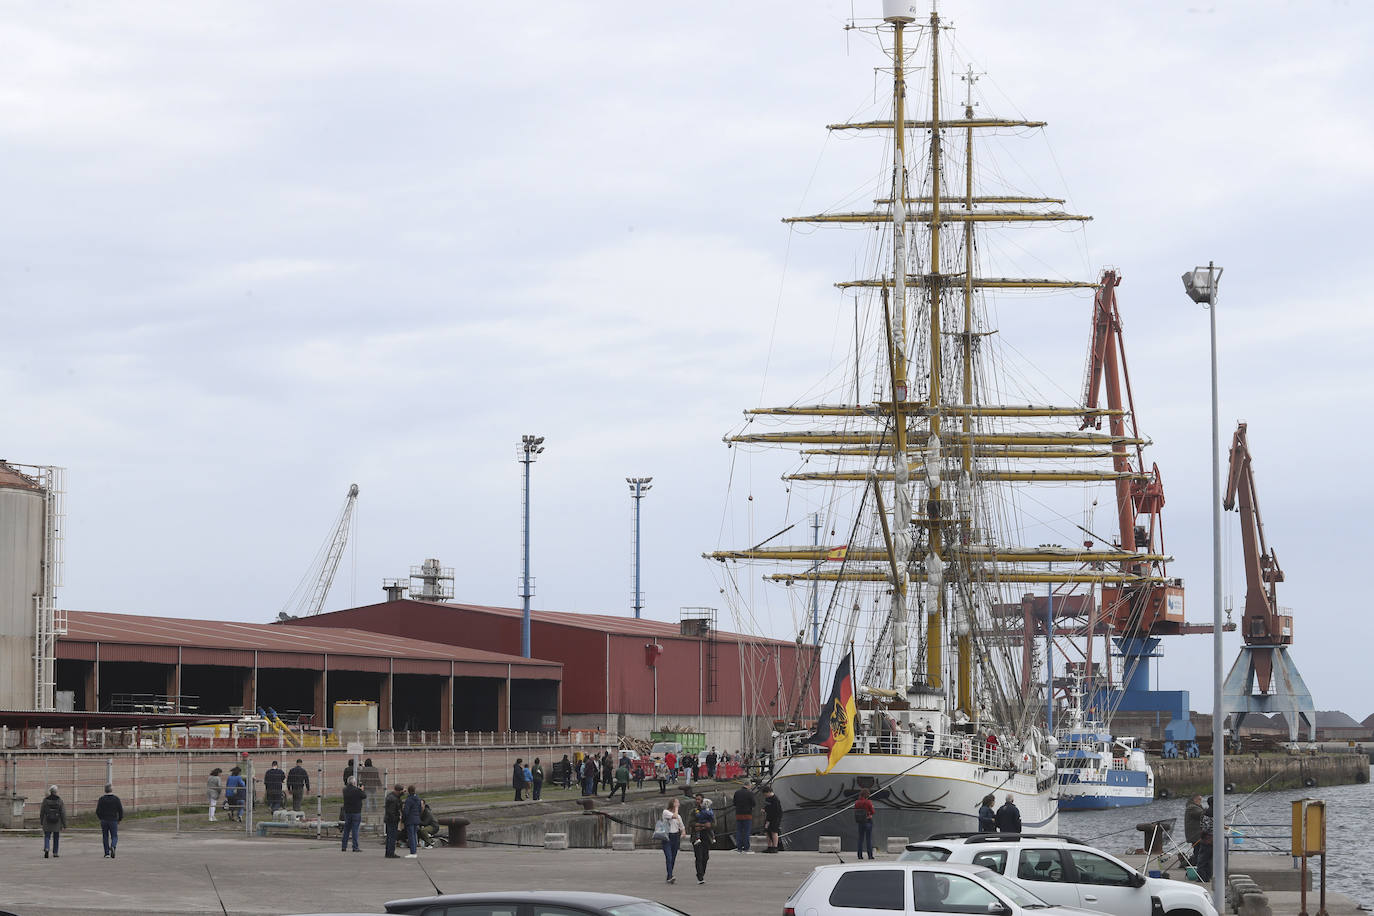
{"points": [[1182, 777], [160, 873]]}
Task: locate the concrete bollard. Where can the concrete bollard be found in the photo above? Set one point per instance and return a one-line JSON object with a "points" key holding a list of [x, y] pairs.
{"points": [[555, 841], [1255, 904], [623, 842], [896, 845], [829, 844]]}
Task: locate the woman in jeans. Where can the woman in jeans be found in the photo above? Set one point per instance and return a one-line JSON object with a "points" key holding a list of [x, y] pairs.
{"points": [[674, 841], [863, 819]]}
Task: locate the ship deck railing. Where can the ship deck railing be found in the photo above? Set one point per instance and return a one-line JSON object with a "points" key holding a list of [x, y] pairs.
{"points": [[953, 747]]}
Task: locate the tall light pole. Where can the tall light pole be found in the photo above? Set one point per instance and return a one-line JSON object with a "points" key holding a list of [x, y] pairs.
{"points": [[638, 487], [1201, 285], [530, 447]]}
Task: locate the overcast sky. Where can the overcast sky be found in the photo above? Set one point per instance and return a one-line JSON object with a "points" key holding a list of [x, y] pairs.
{"points": [[254, 252]]}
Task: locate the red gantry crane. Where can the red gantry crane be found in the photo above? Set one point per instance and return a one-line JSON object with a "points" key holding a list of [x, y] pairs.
{"points": [[1263, 678]]}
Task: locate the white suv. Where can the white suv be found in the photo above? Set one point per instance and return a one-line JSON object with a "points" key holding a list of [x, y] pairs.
{"points": [[887, 888], [1067, 872]]}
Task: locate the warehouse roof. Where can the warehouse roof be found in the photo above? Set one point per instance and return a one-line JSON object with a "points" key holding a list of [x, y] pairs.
{"points": [[135, 629], [602, 623]]}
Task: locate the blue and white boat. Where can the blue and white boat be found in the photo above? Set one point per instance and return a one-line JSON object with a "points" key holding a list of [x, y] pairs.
{"points": [[1096, 770]]}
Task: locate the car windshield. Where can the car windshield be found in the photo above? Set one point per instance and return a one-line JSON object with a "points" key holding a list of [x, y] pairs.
{"points": [[1011, 890], [642, 908]]}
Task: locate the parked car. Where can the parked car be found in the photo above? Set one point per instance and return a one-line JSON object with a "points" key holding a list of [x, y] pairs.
{"points": [[881, 889], [1067, 872], [531, 903]]}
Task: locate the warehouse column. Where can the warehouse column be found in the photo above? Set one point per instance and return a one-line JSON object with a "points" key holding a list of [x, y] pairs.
{"points": [[321, 692], [384, 706], [446, 702], [503, 703]]}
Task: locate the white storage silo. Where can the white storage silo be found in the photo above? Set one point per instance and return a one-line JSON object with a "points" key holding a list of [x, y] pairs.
{"points": [[30, 561]]}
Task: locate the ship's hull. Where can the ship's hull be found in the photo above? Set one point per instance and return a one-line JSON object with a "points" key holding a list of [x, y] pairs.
{"points": [[913, 797], [1121, 789]]}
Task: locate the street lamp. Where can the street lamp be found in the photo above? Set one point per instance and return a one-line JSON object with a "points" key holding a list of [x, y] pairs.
{"points": [[1201, 285], [638, 487], [530, 448]]}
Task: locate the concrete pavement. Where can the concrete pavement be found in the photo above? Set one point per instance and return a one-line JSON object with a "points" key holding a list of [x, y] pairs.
{"points": [[160, 873]]}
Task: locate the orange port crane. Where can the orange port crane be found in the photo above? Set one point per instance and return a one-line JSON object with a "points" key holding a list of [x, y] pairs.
{"points": [[1263, 678]]}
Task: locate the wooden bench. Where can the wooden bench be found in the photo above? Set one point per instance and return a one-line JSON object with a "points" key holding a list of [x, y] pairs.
{"points": [[457, 829]]}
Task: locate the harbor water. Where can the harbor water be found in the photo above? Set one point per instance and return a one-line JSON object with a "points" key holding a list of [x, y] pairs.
{"points": [[1349, 811]]}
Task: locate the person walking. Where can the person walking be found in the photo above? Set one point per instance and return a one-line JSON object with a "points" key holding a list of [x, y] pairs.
{"points": [[370, 781], [233, 794], [670, 759], [607, 772], [703, 834], [272, 782], [537, 775], [353, 799], [661, 774], [622, 782], [413, 811], [863, 819], [109, 810], [689, 769], [1009, 816], [214, 790], [52, 817], [391, 818], [744, 818], [298, 783], [772, 820], [517, 779], [987, 817], [673, 842]]}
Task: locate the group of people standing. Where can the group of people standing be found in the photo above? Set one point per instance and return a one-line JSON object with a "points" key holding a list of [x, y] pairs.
{"points": [[528, 778], [1006, 819]]}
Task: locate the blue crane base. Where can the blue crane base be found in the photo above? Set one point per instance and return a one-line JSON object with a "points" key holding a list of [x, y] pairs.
{"points": [[1288, 693], [1135, 695]]}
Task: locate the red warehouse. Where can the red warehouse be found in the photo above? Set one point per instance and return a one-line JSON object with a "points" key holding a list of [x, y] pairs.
{"points": [[625, 675]]}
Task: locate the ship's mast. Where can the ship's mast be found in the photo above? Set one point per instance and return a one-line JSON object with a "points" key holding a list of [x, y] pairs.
{"points": [[933, 459], [901, 502], [964, 627]]}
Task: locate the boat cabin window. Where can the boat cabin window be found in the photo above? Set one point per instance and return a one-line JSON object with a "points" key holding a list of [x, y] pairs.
{"points": [[870, 889]]}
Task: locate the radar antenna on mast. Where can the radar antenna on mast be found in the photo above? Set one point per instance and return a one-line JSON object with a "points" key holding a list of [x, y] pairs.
{"points": [[308, 597]]}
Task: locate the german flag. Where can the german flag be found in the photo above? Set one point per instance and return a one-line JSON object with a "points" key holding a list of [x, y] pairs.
{"points": [[835, 727]]}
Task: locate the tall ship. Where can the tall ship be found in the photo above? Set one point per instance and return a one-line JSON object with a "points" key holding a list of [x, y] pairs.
{"points": [[941, 474]]}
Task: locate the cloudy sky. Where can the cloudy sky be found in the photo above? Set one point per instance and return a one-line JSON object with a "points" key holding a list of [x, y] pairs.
{"points": [[255, 252]]}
